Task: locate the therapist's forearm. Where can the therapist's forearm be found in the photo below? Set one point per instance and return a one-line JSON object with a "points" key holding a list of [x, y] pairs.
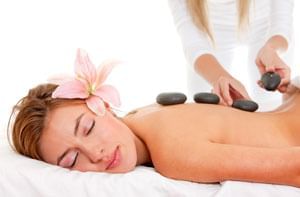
{"points": [[208, 67], [278, 42]]}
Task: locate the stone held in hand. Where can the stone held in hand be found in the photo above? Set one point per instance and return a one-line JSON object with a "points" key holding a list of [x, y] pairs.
{"points": [[205, 97], [270, 80], [171, 98], [246, 105]]}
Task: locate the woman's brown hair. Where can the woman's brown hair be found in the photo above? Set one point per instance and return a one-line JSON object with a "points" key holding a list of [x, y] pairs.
{"points": [[199, 12], [29, 117]]}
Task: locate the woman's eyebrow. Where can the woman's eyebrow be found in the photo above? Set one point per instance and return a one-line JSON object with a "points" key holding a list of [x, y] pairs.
{"points": [[75, 133]]}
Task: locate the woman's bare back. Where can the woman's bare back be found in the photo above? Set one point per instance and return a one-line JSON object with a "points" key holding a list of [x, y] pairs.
{"points": [[211, 143], [219, 124]]}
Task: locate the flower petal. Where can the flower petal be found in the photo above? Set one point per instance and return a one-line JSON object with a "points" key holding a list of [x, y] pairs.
{"points": [[71, 89], [96, 104], [104, 70], [109, 94], [84, 68], [60, 79]]}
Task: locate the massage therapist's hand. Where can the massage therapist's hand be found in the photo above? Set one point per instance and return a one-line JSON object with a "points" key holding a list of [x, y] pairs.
{"points": [[229, 89], [268, 60]]}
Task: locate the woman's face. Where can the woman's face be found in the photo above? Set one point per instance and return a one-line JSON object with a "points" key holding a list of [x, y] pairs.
{"points": [[75, 138]]}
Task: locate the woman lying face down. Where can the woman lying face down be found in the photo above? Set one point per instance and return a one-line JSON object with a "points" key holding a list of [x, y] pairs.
{"points": [[195, 142], [72, 125]]}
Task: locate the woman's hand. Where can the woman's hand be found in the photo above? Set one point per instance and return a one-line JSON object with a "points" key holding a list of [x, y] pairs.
{"points": [[268, 60], [229, 89]]}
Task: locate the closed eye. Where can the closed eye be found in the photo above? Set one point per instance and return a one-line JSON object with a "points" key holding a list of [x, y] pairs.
{"points": [[68, 159], [91, 128], [74, 161]]}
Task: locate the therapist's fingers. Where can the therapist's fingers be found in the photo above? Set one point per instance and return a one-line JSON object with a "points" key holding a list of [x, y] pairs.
{"points": [[283, 85], [264, 68], [283, 89], [269, 69], [222, 87], [236, 94], [229, 89], [285, 73], [239, 93], [225, 92], [216, 90], [260, 83], [238, 90]]}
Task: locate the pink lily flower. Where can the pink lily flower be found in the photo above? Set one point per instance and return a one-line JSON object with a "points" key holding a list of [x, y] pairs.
{"points": [[88, 84]]}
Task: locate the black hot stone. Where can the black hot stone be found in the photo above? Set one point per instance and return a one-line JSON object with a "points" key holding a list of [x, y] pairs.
{"points": [[205, 97], [245, 105], [170, 98], [270, 81]]}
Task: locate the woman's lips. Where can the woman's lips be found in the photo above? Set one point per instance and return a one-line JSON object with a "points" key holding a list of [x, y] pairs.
{"points": [[115, 160]]}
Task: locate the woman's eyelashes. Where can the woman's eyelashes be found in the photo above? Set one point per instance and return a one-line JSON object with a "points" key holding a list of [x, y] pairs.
{"points": [[69, 160], [74, 161], [87, 124], [91, 127]]}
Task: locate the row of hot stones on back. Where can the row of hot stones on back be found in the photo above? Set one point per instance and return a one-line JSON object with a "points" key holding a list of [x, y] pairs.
{"points": [[269, 81]]}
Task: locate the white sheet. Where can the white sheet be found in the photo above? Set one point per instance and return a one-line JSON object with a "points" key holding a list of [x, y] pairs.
{"points": [[21, 176]]}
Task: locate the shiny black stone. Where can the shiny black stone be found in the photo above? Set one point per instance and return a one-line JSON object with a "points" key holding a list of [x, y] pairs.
{"points": [[245, 105], [270, 81], [205, 97], [170, 98]]}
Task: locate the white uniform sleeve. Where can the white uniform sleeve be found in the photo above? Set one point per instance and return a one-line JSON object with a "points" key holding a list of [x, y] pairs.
{"points": [[282, 18], [194, 42]]}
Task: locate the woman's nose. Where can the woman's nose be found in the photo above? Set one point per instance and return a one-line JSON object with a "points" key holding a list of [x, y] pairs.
{"points": [[95, 153]]}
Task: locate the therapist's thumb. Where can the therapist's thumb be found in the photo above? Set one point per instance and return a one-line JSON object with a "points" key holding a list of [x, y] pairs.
{"points": [[270, 68]]}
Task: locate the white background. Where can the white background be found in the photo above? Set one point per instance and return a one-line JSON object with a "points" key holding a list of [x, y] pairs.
{"points": [[39, 38]]}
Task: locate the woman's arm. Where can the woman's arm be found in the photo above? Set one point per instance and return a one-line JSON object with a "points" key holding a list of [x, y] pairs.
{"points": [[279, 38], [199, 54], [224, 85], [209, 67], [268, 60], [278, 43], [196, 44], [213, 162]]}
